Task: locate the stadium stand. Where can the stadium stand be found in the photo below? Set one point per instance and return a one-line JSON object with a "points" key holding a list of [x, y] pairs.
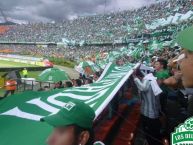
{"points": [[88, 37]]}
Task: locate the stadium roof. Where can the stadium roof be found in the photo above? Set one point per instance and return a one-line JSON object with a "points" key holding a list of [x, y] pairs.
{"points": [[8, 23]]}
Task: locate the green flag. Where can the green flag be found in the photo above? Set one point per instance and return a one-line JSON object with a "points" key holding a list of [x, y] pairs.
{"points": [[20, 113]]}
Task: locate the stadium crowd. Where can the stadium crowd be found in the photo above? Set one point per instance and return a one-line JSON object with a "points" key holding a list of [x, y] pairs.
{"points": [[98, 28], [171, 65], [172, 68], [118, 27]]}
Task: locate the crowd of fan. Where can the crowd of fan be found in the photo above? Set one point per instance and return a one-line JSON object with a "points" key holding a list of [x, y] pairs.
{"points": [[98, 28], [175, 102], [69, 53], [172, 66]]}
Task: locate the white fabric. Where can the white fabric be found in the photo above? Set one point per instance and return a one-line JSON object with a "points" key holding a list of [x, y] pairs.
{"points": [[142, 85], [153, 81]]}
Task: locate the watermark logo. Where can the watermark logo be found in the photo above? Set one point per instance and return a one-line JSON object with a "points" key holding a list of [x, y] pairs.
{"points": [[183, 134]]}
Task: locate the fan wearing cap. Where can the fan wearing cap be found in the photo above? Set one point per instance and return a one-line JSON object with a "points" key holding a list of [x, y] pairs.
{"points": [[72, 124], [185, 40]]}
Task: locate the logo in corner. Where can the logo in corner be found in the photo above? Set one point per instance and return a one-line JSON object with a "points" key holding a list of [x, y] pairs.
{"points": [[183, 134], [68, 106]]}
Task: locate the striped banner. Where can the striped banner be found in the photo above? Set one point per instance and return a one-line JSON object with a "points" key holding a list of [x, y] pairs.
{"points": [[20, 113]]}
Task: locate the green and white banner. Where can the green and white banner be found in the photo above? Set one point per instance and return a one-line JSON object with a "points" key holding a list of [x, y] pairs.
{"points": [[176, 19], [20, 113]]}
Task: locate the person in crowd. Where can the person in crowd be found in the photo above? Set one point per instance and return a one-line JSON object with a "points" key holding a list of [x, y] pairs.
{"points": [[25, 73], [58, 85], [68, 84], [10, 86], [71, 128], [82, 76], [46, 88], [160, 67], [150, 106], [153, 60], [77, 83], [88, 81], [146, 53], [96, 76], [162, 73], [184, 39], [120, 62]]}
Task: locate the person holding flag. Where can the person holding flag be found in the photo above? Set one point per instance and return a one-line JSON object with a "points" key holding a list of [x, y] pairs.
{"points": [[149, 91], [72, 124]]}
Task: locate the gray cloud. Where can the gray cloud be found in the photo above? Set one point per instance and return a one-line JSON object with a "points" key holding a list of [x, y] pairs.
{"points": [[49, 10]]}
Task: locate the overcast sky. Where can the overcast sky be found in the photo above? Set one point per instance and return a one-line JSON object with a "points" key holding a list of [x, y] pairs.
{"points": [[49, 10]]}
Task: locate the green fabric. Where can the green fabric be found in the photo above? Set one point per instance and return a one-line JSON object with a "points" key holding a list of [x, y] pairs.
{"points": [[70, 115], [89, 64], [164, 74], [185, 39], [85, 64], [20, 113], [137, 52]]}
